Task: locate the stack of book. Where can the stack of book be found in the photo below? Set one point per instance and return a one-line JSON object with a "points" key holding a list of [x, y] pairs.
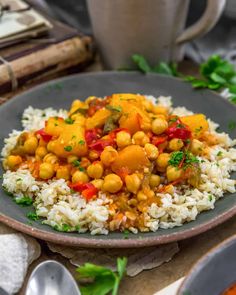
{"points": [[34, 46]]}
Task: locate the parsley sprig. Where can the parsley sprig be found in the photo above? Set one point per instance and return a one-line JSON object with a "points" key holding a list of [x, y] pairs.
{"points": [[105, 281], [161, 68], [24, 201], [215, 74]]}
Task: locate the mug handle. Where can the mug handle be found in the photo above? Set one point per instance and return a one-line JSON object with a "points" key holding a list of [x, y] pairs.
{"points": [[209, 18]]}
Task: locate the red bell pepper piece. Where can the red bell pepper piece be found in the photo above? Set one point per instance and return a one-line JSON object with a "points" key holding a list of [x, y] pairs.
{"points": [[157, 140], [92, 134], [45, 136], [88, 193], [88, 190], [100, 145], [178, 130]]}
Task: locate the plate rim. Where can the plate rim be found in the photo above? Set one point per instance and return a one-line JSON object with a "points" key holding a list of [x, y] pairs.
{"points": [[59, 238]]}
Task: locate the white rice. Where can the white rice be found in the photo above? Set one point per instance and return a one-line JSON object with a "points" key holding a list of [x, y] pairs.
{"points": [[55, 202], [34, 119]]}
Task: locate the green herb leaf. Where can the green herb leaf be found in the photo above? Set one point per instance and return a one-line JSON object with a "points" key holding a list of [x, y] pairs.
{"points": [[142, 63], [176, 158], [80, 111], [76, 163], [69, 121], [81, 142], [68, 148], [104, 279], [220, 153], [114, 108], [232, 125], [166, 69], [63, 228], [24, 201], [126, 234], [32, 216]]}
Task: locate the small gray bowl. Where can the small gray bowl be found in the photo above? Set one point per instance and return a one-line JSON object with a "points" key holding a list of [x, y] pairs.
{"points": [[214, 272]]}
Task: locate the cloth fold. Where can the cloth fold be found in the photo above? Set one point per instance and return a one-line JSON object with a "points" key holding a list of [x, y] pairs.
{"points": [[17, 252]]}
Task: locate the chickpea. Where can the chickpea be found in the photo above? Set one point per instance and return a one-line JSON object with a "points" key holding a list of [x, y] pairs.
{"points": [[154, 180], [196, 147], [141, 196], [133, 183], [50, 158], [95, 170], [13, 161], [71, 159], [112, 183], [63, 172], [140, 138], [31, 145], [160, 110], [162, 160], [108, 156], [46, 171], [41, 151], [42, 142], [80, 176], [93, 155], [123, 139], [176, 144], [85, 162], [159, 126], [151, 151], [173, 173], [97, 183], [51, 146]]}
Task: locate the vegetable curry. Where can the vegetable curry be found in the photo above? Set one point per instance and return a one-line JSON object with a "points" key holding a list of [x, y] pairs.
{"points": [[123, 146]]}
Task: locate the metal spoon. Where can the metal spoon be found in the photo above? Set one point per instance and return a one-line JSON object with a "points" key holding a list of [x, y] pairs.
{"points": [[51, 278]]}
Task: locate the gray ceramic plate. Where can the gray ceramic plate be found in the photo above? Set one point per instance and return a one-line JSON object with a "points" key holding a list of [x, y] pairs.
{"points": [[214, 272], [60, 93]]}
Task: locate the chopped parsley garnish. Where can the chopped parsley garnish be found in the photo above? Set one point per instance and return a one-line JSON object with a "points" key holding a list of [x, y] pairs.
{"points": [[24, 201], [188, 141], [81, 142], [64, 227], [73, 137], [176, 158], [102, 280], [19, 179], [179, 156], [198, 129], [80, 111], [190, 158], [68, 148], [180, 126], [114, 108], [220, 153], [172, 120], [69, 121], [232, 125], [126, 234], [32, 216], [55, 124], [210, 197], [77, 163]]}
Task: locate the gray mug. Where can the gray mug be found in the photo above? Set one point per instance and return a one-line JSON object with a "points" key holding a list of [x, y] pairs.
{"points": [[153, 28]]}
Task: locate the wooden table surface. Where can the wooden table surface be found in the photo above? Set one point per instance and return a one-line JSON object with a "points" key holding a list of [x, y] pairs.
{"points": [[149, 282]]}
